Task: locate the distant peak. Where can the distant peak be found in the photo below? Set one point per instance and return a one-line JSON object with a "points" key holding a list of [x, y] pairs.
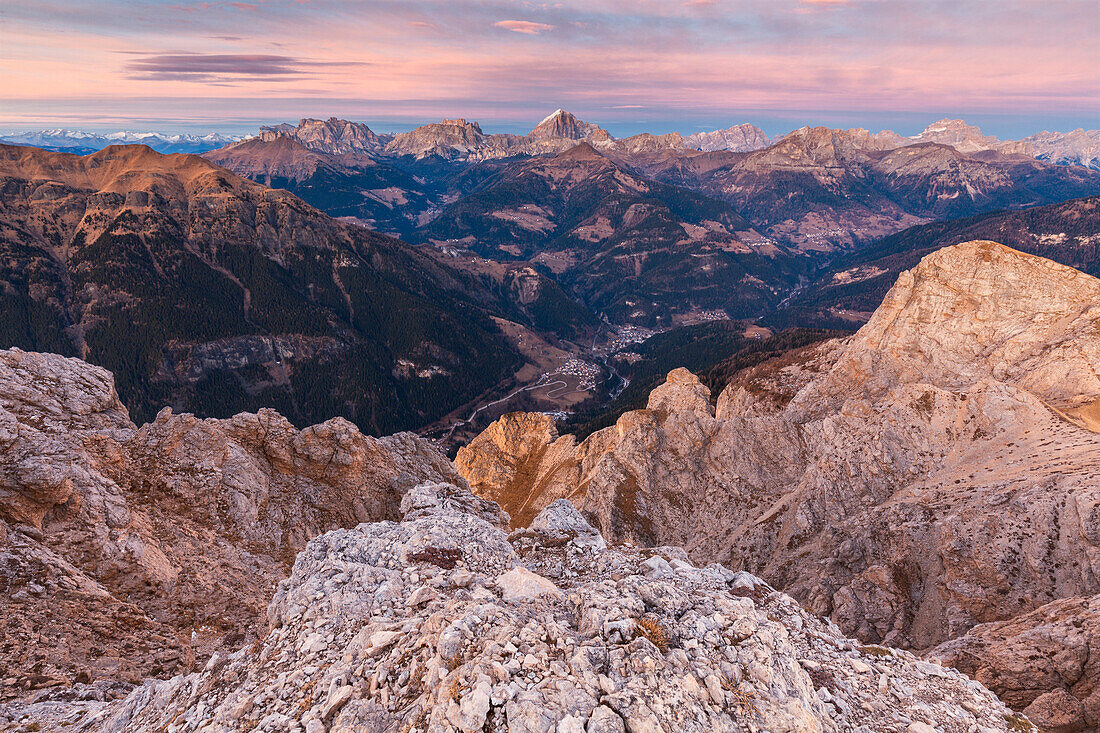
{"points": [[559, 112], [564, 124]]}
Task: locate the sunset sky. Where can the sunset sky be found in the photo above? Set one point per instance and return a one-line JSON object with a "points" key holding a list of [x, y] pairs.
{"points": [[1013, 66]]}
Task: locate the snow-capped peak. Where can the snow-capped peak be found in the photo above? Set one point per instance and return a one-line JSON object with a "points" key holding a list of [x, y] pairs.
{"points": [[556, 113]]}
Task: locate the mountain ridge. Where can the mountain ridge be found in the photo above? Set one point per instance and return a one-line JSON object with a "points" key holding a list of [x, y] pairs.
{"points": [[896, 481], [203, 289], [1075, 147]]}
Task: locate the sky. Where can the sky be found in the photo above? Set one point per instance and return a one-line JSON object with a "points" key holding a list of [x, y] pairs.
{"points": [[1013, 66]]}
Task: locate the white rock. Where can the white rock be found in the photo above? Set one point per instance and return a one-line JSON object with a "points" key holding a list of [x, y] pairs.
{"points": [[422, 595], [474, 706], [520, 584], [335, 701], [571, 724], [656, 566]]}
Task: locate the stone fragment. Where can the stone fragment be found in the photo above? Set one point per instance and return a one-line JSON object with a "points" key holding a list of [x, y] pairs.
{"points": [[520, 584]]}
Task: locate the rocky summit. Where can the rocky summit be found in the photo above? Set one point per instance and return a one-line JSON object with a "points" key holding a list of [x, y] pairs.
{"points": [[931, 475], [445, 622]]}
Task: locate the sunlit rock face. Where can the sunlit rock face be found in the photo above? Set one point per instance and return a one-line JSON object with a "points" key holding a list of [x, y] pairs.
{"points": [[934, 471]]}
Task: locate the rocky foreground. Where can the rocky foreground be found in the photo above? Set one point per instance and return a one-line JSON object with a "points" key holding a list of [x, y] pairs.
{"points": [[445, 622]]}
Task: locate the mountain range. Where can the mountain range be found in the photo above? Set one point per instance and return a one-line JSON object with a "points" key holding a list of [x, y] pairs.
{"points": [[645, 230], [815, 189], [214, 294], [1077, 147], [364, 189], [518, 256], [819, 189], [80, 142]]}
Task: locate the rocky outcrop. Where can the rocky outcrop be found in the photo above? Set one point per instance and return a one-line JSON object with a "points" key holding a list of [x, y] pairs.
{"points": [[127, 552], [969, 138], [460, 139], [934, 472], [1066, 232], [440, 622], [509, 462], [1045, 662], [446, 139], [974, 312], [333, 136]]}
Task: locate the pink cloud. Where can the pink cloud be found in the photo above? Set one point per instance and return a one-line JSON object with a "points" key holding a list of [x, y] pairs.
{"points": [[892, 55], [524, 26]]}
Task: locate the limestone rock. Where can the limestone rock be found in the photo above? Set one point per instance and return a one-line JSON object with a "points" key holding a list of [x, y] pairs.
{"points": [[334, 136], [438, 497], [978, 311], [1044, 662], [561, 523], [520, 584], [503, 462], [471, 661]]}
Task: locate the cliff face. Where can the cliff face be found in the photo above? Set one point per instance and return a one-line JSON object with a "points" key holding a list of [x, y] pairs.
{"points": [[973, 312], [934, 472], [127, 552], [334, 136], [1043, 662]]}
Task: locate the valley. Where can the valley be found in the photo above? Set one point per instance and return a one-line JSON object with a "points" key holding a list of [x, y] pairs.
{"points": [[562, 238]]}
